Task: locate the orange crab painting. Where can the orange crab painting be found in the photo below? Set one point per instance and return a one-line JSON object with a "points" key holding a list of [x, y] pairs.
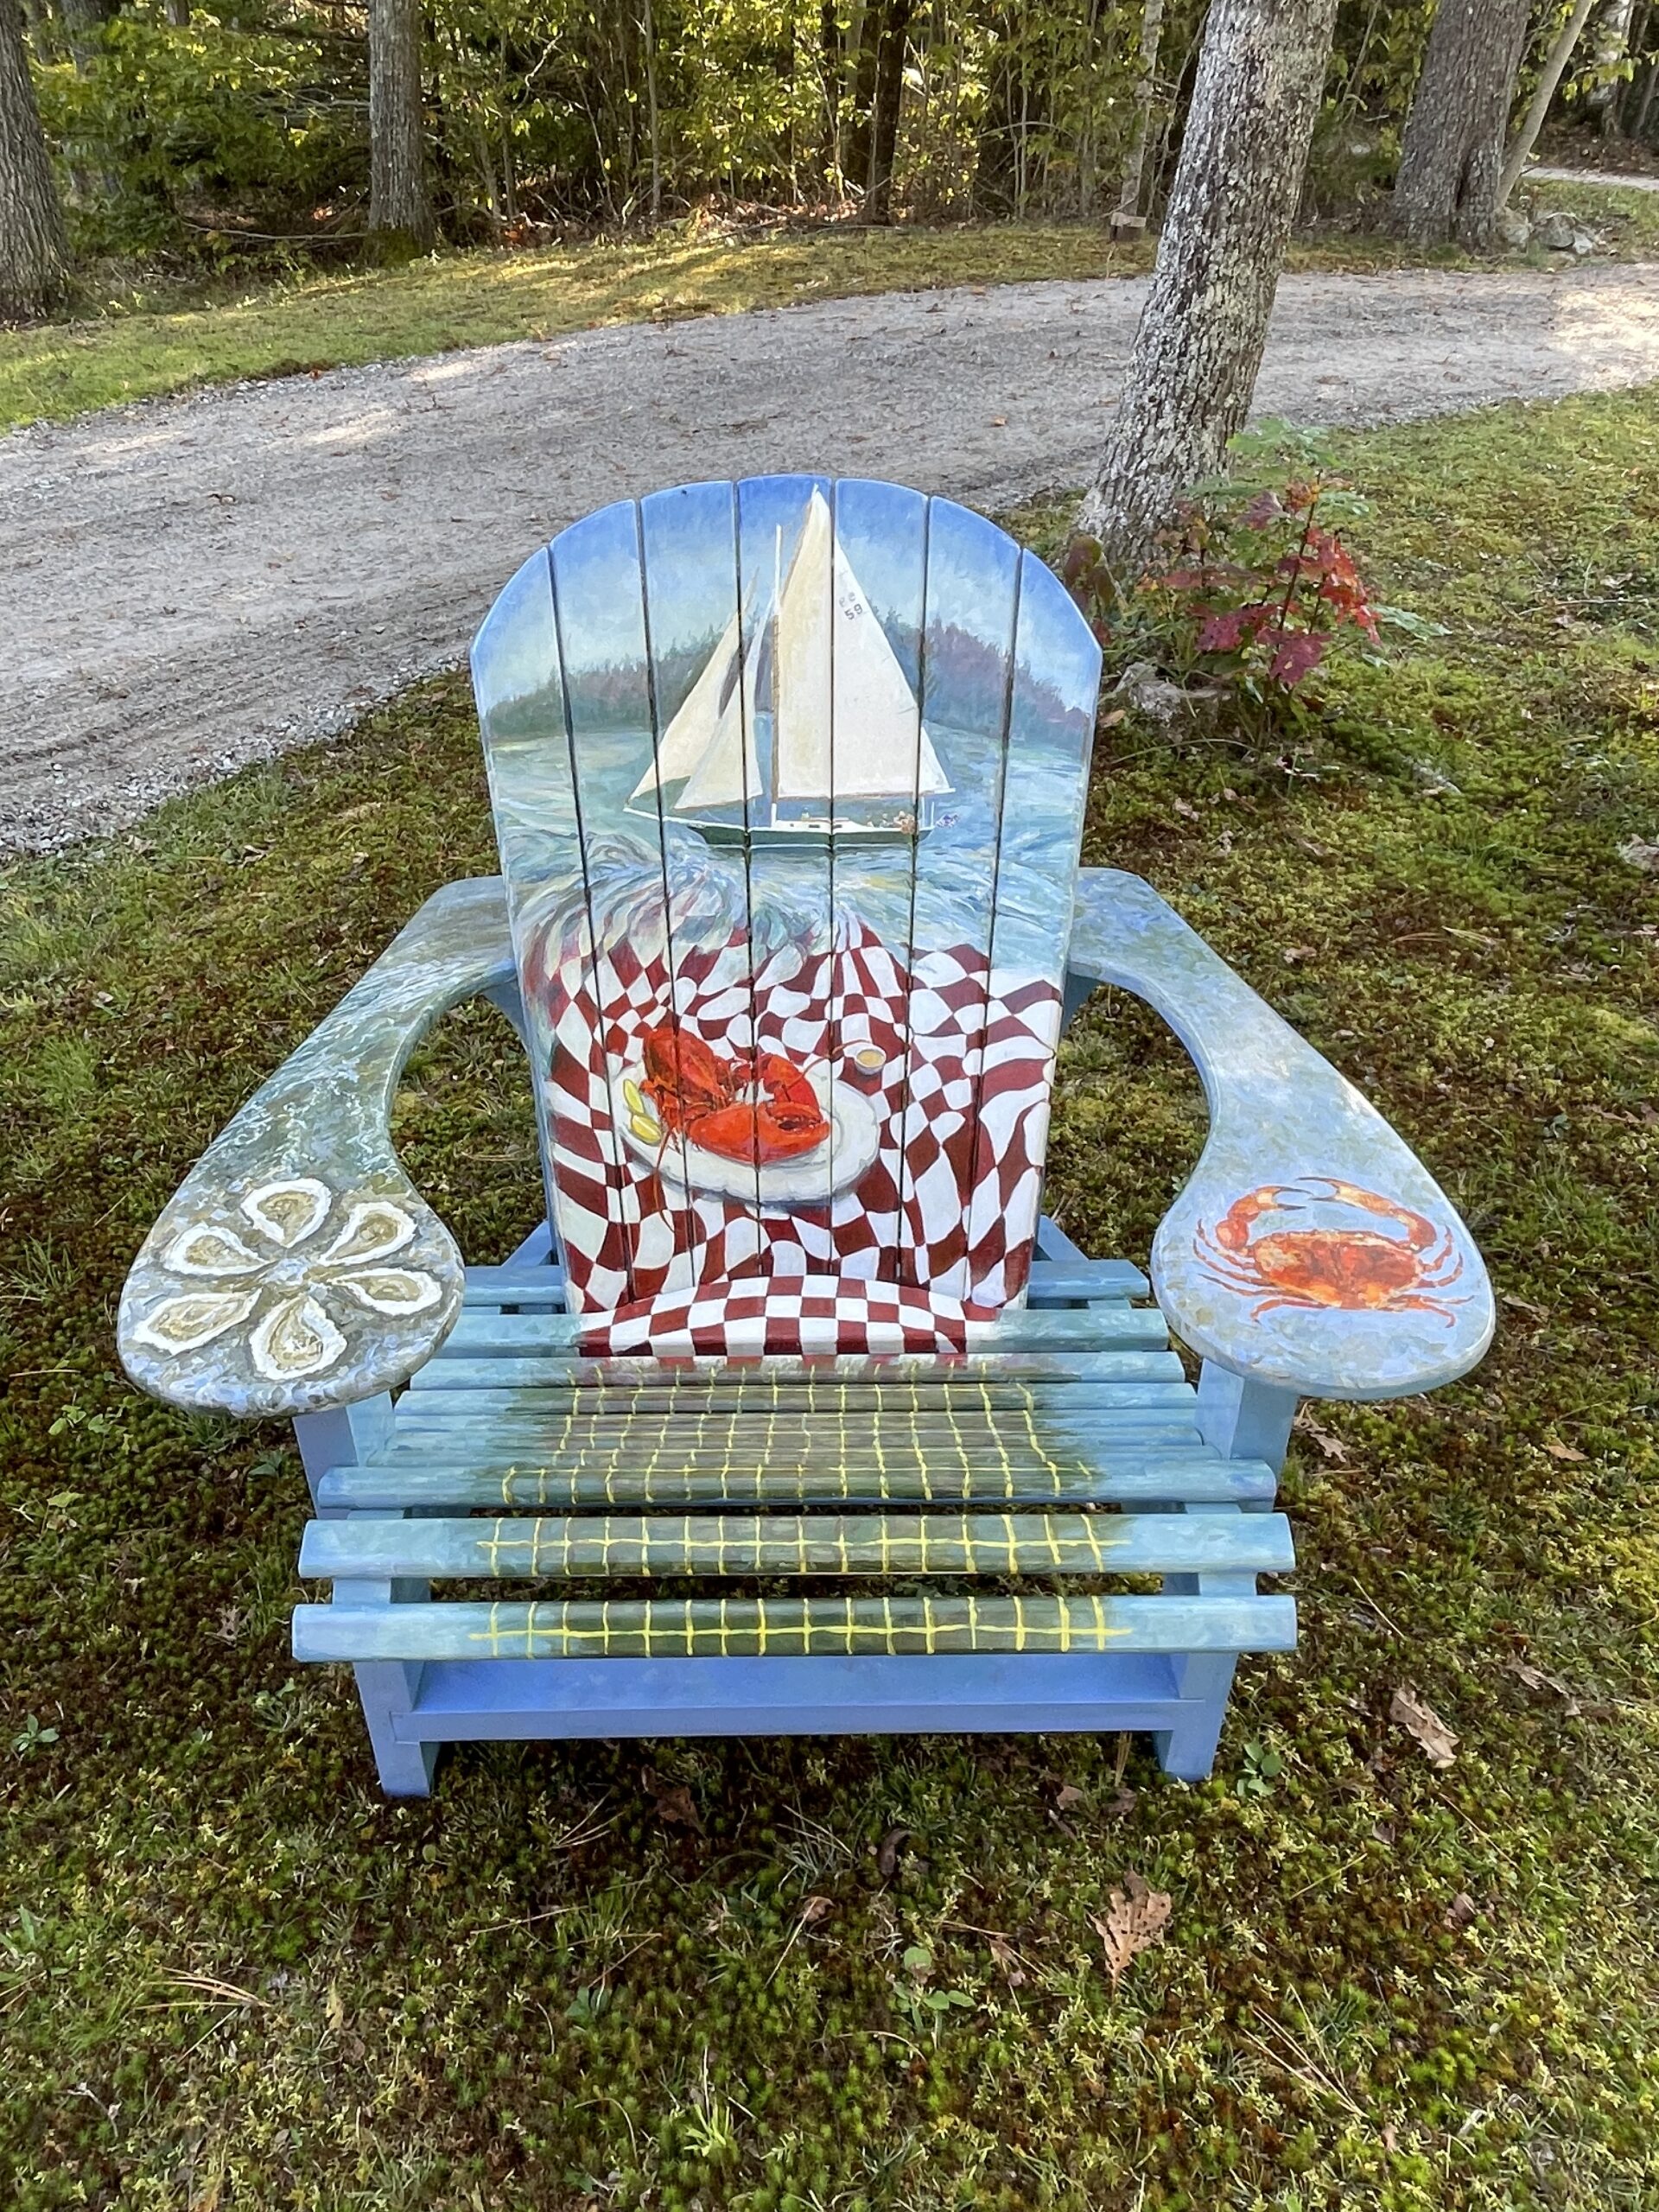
{"points": [[1401, 1269]]}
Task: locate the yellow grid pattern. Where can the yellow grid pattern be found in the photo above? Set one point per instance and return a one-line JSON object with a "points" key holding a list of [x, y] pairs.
{"points": [[752, 1627], [728, 1544], [947, 1454]]}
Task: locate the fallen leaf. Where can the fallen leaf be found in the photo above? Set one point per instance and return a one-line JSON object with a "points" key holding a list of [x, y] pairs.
{"points": [[1421, 1722], [1461, 1910], [1534, 1679], [815, 1909], [1066, 1794], [1559, 1451], [1008, 1961], [1138, 1918], [673, 1803], [1332, 1447], [1524, 1306], [889, 1851]]}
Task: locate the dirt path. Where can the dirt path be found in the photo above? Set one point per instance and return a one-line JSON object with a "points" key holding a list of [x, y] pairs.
{"points": [[1622, 181], [193, 583]]}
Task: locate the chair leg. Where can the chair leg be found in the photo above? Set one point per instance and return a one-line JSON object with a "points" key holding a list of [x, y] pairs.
{"points": [[387, 1688], [1186, 1752], [1244, 1420], [346, 1436]]}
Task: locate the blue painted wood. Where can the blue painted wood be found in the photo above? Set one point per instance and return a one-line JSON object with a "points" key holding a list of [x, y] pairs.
{"points": [[297, 1267], [750, 755], [387, 1688], [530, 1699], [1311, 1250], [462, 1629], [297, 1270], [501, 1350], [588, 1545], [1243, 1418], [1187, 1750], [1133, 1476], [521, 1288], [343, 1436]]}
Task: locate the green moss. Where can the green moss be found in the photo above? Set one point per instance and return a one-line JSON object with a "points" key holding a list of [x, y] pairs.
{"points": [[232, 1975]]}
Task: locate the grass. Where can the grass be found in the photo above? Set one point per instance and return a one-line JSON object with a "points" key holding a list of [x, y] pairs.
{"points": [[476, 299], [233, 1975]]}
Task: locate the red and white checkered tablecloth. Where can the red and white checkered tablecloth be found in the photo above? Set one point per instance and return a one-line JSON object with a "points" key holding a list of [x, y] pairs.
{"points": [[950, 1202], [766, 1316]]}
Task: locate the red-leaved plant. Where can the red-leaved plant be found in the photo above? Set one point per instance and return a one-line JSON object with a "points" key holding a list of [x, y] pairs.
{"points": [[1241, 598]]}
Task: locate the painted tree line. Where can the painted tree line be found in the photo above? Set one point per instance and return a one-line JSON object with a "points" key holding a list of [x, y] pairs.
{"points": [[168, 125]]}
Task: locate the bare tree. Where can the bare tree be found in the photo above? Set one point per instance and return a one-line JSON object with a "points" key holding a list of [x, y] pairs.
{"points": [[1127, 217], [1199, 343], [33, 259], [1543, 92], [400, 211], [1609, 50], [884, 113], [1452, 156]]}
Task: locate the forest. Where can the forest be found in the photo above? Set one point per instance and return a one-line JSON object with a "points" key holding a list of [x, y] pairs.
{"points": [[184, 136]]}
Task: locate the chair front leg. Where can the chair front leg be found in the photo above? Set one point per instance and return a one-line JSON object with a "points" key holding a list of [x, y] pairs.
{"points": [[346, 1436]]}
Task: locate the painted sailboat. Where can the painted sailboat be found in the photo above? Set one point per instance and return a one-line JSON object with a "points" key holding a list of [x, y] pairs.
{"points": [[812, 733]]}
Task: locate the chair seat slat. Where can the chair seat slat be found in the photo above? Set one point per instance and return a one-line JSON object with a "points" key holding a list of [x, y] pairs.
{"points": [[733, 1627], [510, 1373], [558, 1548], [1136, 1478], [494, 1336]]}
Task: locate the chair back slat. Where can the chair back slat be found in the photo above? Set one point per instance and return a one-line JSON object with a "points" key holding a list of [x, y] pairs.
{"points": [[788, 779]]}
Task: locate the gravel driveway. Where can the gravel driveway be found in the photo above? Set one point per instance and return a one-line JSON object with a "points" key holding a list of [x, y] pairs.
{"points": [[192, 583]]}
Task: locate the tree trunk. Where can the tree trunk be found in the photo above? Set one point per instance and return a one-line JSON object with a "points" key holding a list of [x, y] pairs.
{"points": [[829, 76], [1532, 123], [884, 117], [867, 44], [33, 259], [1452, 157], [83, 20], [400, 212], [1151, 29], [648, 32], [1608, 49], [1199, 342]]}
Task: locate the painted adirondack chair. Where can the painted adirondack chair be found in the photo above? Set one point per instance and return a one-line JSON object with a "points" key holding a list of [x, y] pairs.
{"points": [[789, 779]]}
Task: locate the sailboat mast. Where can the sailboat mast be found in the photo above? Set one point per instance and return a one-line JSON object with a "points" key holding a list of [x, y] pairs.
{"points": [[777, 610]]}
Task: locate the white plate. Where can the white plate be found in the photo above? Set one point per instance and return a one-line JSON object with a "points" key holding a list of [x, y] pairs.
{"points": [[811, 1179]]}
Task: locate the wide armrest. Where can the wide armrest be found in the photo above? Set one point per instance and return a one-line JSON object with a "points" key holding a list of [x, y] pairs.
{"points": [[1311, 1250], [297, 1267]]}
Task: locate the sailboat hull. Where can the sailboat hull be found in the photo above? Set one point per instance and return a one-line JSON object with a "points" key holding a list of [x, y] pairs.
{"points": [[803, 837]]}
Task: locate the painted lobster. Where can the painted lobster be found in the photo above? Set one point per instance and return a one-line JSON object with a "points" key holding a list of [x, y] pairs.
{"points": [[759, 1106]]}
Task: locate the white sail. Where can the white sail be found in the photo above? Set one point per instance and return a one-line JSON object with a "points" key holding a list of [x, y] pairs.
{"points": [[847, 723], [704, 742], [845, 720], [728, 770]]}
